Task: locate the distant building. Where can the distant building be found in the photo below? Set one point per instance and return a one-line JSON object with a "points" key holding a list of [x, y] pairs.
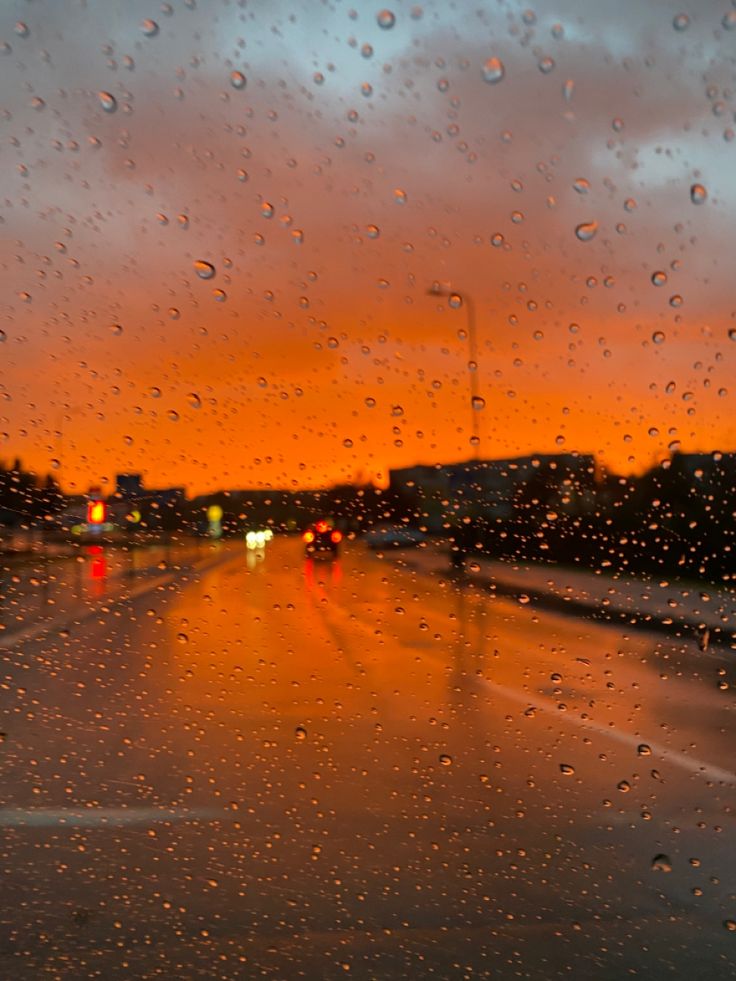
{"points": [[495, 487], [133, 504], [705, 467], [129, 486]]}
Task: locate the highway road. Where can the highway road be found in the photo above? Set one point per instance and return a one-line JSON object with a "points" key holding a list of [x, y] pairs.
{"points": [[283, 768]]}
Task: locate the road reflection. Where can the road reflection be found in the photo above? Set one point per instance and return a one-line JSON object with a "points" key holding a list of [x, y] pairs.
{"points": [[317, 572], [98, 569]]}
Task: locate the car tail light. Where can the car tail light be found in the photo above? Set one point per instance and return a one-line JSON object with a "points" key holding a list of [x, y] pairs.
{"points": [[336, 536], [308, 536], [321, 526]]}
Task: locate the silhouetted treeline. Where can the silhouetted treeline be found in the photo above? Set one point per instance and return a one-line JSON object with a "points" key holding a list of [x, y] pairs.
{"points": [[677, 518], [25, 497]]}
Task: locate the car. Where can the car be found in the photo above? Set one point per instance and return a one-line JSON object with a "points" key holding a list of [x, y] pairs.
{"points": [[394, 536], [322, 539]]}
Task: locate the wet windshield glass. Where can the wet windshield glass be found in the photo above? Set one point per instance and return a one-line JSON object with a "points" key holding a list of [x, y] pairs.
{"points": [[367, 473]]}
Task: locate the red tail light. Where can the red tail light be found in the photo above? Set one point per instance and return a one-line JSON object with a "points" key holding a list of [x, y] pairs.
{"points": [[308, 536], [321, 526], [336, 536]]}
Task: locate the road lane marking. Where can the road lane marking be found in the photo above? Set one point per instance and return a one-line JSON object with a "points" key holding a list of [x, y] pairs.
{"points": [[8, 642], [99, 817], [543, 703]]}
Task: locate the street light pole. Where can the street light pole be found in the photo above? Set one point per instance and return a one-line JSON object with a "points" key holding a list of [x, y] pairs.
{"points": [[476, 402]]}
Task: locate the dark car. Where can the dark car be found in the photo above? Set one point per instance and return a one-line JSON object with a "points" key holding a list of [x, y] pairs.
{"points": [[322, 539]]}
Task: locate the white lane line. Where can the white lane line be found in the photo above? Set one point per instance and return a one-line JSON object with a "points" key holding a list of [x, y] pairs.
{"points": [[544, 703], [8, 642], [99, 817]]}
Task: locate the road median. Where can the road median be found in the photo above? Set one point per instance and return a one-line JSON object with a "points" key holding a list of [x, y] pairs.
{"points": [[685, 610]]}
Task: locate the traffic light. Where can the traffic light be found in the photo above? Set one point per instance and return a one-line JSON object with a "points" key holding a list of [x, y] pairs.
{"points": [[96, 512]]}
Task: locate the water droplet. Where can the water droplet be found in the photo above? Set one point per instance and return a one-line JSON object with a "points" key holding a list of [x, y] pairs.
{"points": [[658, 337], [385, 19], [237, 80], [154, 392], [373, 231], [367, 50], [681, 22], [107, 101], [643, 749], [455, 301], [581, 185], [173, 415], [546, 65], [370, 402], [219, 295], [730, 925], [659, 278], [587, 230], [624, 786], [397, 410], [301, 733], [195, 402], [661, 863], [567, 769], [182, 638], [174, 314], [478, 403], [205, 270], [497, 240], [567, 89], [676, 300], [297, 236], [445, 760], [149, 28], [729, 20], [493, 71], [21, 29], [267, 209], [399, 196], [347, 443], [732, 333], [698, 194]]}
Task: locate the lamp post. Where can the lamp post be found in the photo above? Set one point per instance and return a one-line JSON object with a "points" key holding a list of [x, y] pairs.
{"points": [[458, 299]]}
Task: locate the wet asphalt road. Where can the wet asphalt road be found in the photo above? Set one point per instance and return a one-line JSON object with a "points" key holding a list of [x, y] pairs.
{"points": [[284, 768]]}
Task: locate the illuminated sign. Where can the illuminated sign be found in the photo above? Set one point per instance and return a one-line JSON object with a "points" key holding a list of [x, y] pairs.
{"points": [[96, 512]]}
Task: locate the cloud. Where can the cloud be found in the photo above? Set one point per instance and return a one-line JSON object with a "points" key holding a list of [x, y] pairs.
{"points": [[136, 196]]}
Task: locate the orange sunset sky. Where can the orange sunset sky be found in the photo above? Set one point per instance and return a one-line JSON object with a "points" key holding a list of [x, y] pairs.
{"points": [[330, 162]]}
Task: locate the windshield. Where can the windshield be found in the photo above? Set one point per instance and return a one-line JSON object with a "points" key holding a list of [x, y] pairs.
{"points": [[367, 470]]}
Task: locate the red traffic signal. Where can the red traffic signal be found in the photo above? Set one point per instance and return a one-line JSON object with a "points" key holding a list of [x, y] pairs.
{"points": [[96, 512]]}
